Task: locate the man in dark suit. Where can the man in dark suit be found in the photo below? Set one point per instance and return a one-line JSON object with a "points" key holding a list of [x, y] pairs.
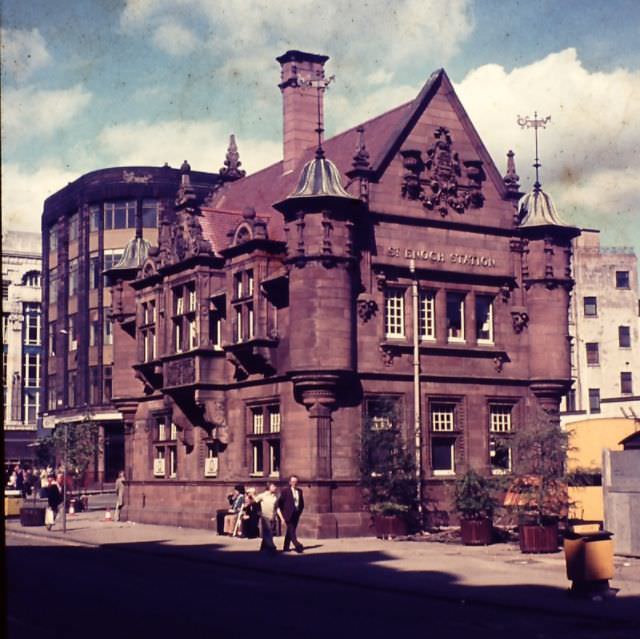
{"points": [[291, 505]]}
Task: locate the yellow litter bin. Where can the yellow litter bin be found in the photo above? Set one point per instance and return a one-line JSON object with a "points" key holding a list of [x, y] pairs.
{"points": [[589, 558], [12, 505]]}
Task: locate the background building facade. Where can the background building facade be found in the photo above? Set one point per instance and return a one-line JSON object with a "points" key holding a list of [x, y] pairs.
{"points": [[605, 329], [85, 228], [271, 323], [21, 343]]}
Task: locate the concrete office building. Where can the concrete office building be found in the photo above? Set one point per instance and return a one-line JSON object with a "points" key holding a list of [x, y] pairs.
{"points": [[85, 227]]}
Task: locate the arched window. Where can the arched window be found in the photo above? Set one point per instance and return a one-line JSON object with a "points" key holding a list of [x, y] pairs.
{"points": [[32, 278]]}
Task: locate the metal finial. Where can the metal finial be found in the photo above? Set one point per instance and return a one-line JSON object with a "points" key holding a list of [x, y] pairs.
{"points": [[535, 123], [321, 84]]}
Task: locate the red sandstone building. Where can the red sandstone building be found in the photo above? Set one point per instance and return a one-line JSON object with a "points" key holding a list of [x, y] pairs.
{"points": [[261, 332]]}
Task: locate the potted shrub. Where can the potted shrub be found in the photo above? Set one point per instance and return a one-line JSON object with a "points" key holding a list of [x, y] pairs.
{"points": [[538, 490], [474, 502], [387, 473]]}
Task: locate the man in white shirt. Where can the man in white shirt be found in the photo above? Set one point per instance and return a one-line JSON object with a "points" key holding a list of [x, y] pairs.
{"points": [[268, 501]]}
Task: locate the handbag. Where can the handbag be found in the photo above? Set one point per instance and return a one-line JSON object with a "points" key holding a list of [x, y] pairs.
{"points": [[49, 516]]}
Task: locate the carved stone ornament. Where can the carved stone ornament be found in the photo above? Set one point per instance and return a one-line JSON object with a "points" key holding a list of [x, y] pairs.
{"points": [[519, 320], [440, 188], [498, 362], [388, 356], [367, 307], [180, 372]]}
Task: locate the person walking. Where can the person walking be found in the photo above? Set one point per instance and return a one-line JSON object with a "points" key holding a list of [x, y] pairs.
{"points": [[54, 499], [268, 501], [119, 495], [291, 505]]}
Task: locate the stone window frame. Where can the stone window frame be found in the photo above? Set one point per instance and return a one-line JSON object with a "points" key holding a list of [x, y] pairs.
{"points": [[502, 434], [164, 445], [32, 313], [264, 443], [148, 330], [184, 316], [243, 304], [462, 296], [491, 318], [395, 398], [394, 315], [36, 365], [427, 299], [31, 401], [455, 434]]}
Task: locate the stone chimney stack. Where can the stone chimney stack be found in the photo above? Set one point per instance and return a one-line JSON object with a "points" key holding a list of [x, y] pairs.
{"points": [[300, 103]]}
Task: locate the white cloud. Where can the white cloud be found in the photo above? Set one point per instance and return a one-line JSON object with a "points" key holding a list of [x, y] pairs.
{"points": [[24, 192], [29, 112], [590, 151], [403, 31], [203, 143], [23, 52], [175, 39]]}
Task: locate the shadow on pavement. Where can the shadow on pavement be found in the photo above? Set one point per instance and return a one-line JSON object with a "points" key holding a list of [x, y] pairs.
{"points": [[148, 589]]}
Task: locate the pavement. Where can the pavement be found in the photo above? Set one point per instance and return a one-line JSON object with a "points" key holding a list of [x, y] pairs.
{"points": [[498, 575]]}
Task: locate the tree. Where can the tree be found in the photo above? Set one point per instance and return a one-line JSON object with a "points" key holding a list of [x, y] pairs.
{"points": [[539, 487], [387, 469], [82, 446]]}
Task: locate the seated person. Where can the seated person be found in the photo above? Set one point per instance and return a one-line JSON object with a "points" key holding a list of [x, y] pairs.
{"points": [[237, 503], [250, 516]]}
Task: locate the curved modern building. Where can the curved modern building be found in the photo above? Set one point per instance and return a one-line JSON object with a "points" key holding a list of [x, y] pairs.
{"points": [[85, 228]]}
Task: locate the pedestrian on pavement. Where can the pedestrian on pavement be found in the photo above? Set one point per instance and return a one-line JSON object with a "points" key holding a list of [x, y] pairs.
{"points": [[291, 505], [44, 483], [237, 504], [250, 520], [268, 501], [119, 495], [54, 499]]}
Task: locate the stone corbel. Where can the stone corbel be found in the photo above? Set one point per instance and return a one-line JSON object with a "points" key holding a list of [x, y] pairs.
{"points": [[519, 319]]}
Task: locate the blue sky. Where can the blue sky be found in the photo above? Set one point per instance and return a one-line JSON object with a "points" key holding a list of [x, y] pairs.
{"points": [[94, 84]]}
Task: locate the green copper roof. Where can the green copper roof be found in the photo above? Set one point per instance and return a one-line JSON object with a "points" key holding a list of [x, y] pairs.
{"points": [[319, 178], [536, 209], [135, 253]]}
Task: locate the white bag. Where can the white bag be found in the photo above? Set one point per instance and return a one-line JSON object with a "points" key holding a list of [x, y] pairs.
{"points": [[49, 516]]}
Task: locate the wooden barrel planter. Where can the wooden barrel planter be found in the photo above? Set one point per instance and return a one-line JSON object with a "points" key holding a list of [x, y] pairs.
{"points": [[538, 538], [476, 532], [390, 526]]}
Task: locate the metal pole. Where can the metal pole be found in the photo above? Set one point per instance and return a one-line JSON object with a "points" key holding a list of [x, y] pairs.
{"points": [[64, 480], [417, 426]]}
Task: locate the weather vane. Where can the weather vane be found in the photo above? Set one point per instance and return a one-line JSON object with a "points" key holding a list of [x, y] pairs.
{"points": [[321, 84], [535, 123]]}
